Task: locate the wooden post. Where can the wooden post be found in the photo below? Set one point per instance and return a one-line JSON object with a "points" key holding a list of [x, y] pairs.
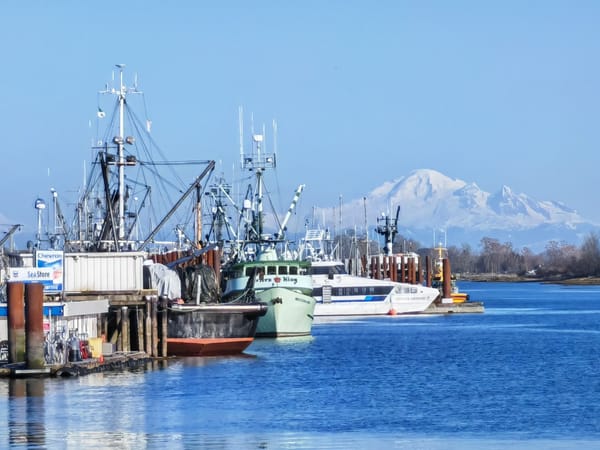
{"points": [[119, 329], [154, 326], [125, 328], [427, 271], [148, 327], [34, 325], [16, 322], [100, 325], [139, 315], [163, 327], [401, 270], [447, 284]]}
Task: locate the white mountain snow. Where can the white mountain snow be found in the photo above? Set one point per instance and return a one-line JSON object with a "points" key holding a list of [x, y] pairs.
{"points": [[432, 200]]}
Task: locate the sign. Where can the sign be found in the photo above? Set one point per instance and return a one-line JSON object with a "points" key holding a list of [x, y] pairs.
{"points": [[48, 270], [30, 275], [52, 261]]}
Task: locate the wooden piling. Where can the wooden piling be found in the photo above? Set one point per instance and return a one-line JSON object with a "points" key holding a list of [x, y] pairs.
{"points": [[16, 322], [118, 329], [154, 302], [163, 334], [401, 269], [148, 327], [125, 335], [34, 325], [447, 284], [139, 319], [427, 271]]}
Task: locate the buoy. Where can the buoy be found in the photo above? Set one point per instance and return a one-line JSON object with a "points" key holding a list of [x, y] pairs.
{"points": [[392, 312]]}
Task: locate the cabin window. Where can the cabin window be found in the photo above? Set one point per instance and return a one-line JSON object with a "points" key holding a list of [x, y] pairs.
{"points": [[293, 270], [283, 270], [248, 272], [271, 270]]}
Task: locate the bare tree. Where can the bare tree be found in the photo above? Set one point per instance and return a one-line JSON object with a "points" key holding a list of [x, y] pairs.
{"points": [[589, 256]]}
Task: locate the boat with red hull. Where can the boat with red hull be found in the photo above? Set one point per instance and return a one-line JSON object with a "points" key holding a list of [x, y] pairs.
{"points": [[207, 346], [212, 329]]}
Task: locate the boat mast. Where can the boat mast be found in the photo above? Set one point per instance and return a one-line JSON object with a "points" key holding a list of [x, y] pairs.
{"points": [[121, 153], [258, 161], [259, 199], [121, 160], [388, 229]]}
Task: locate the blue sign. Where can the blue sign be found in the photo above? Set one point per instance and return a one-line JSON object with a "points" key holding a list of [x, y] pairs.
{"points": [[51, 260]]}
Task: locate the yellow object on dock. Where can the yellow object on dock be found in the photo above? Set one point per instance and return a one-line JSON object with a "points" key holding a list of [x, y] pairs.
{"points": [[95, 347]]}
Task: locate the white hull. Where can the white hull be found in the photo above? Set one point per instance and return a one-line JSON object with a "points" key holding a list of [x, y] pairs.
{"points": [[289, 313], [342, 294], [359, 306]]}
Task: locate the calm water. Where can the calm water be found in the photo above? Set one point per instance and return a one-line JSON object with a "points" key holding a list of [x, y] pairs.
{"points": [[525, 374]]}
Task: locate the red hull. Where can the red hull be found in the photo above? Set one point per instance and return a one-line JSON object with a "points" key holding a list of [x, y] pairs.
{"points": [[207, 346]]}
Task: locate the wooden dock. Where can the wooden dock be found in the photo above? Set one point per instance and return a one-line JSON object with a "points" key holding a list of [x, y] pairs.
{"points": [[114, 362]]}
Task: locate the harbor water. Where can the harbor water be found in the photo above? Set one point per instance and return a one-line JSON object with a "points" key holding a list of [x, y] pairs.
{"points": [[524, 374]]}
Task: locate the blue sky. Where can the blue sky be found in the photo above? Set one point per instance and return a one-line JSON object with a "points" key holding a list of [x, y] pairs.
{"points": [[496, 92]]}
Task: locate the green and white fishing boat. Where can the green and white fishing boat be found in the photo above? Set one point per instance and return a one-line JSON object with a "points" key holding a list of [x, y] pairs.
{"points": [[262, 262], [284, 285]]}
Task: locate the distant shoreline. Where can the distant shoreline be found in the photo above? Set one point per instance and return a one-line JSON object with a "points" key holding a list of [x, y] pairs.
{"points": [[485, 277]]}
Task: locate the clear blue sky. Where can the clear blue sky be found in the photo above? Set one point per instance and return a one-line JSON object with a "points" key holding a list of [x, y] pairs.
{"points": [[492, 92]]}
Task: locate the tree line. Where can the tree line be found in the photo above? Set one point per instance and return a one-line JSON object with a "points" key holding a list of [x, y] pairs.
{"points": [[559, 259]]}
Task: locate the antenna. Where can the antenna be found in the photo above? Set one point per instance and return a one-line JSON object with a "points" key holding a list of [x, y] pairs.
{"points": [[366, 228], [274, 136], [241, 123]]}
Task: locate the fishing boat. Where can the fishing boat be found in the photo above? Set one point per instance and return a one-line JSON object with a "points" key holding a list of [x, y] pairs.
{"points": [[284, 285], [198, 324], [339, 293], [212, 329], [263, 261], [134, 202]]}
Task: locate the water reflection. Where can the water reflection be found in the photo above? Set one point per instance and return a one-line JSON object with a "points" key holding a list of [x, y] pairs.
{"points": [[26, 415], [198, 361]]}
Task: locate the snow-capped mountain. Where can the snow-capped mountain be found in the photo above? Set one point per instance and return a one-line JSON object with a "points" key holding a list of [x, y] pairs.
{"points": [[430, 200]]}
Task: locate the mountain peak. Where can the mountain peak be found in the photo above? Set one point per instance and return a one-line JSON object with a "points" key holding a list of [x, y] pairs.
{"points": [[431, 200]]}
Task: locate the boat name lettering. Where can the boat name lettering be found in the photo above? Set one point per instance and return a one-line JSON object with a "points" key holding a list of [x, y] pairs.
{"points": [[284, 279]]}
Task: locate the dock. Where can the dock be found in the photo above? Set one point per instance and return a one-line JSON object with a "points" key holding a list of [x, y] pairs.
{"points": [[114, 362], [452, 308]]}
